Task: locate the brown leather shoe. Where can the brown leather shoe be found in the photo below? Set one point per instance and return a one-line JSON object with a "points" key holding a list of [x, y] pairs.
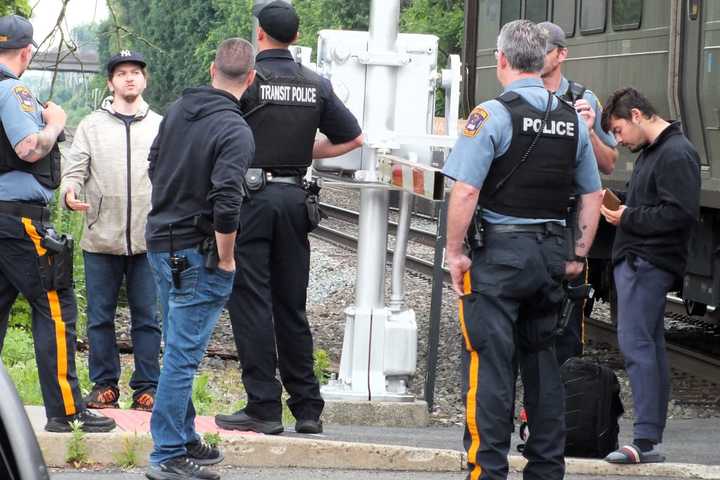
{"points": [[103, 396], [144, 402]]}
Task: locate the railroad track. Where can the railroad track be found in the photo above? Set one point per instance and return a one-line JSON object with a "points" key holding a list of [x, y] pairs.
{"points": [[681, 358]]}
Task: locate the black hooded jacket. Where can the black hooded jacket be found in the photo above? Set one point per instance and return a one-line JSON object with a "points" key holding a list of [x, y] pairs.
{"points": [[197, 165], [663, 203]]}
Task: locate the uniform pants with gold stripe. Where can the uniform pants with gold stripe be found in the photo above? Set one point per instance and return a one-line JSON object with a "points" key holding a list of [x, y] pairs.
{"points": [[508, 316], [53, 313]]}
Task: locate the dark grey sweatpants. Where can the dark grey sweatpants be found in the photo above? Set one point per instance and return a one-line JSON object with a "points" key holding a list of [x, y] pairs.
{"points": [[641, 289]]}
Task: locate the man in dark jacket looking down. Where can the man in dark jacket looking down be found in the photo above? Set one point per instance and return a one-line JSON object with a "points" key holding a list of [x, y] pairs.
{"points": [[197, 165], [650, 254]]}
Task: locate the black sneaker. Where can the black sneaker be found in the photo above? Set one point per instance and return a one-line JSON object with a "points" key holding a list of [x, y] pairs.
{"points": [[245, 423], [180, 468], [308, 426], [91, 423], [201, 453]]}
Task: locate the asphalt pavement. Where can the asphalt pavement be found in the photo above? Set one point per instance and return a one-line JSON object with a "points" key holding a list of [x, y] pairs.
{"points": [[304, 474]]}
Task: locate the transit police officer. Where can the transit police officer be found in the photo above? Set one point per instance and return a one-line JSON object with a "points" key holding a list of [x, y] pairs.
{"points": [[285, 107], [520, 157], [570, 341], [34, 260]]}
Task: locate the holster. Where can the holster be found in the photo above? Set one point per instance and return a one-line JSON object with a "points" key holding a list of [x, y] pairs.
{"points": [[208, 248], [56, 266], [573, 295], [475, 235], [315, 215]]}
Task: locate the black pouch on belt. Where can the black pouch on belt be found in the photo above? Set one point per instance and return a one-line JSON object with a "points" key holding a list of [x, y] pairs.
{"points": [[314, 213], [56, 266], [255, 179]]}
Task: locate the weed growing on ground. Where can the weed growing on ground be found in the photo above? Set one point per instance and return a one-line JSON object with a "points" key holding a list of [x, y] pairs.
{"points": [[127, 458], [77, 452], [212, 438], [201, 396], [321, 365]]}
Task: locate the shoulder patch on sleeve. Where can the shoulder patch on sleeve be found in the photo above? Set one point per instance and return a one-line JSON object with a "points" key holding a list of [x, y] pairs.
{"points": [[475, 121], [25, 98]]}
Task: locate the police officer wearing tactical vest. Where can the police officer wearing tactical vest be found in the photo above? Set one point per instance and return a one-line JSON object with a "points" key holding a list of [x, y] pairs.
{"points": [[34, 259], [285, 107], [570, 341], [517, 162]]}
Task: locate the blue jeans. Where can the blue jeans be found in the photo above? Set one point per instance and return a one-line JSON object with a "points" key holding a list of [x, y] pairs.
{"points": [[190, 313], [103, 277]]}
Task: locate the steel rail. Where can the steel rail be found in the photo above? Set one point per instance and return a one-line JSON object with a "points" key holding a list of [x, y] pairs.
{"points": [[422, 237], [697, 364], [415, 264]]}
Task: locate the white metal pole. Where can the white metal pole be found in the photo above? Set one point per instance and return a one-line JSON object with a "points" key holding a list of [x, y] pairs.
{"points": [[379, 119]]}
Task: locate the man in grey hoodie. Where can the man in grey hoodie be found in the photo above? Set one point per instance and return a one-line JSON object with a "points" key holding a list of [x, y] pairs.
{"points": [[108, 165]]}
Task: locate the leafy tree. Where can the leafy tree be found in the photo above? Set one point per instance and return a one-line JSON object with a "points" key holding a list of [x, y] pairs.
{"points": [[168, 32], [18, 7], [443, 18]]}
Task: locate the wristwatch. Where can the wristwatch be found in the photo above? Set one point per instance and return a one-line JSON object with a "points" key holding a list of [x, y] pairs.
{"points": [[579, 259]]}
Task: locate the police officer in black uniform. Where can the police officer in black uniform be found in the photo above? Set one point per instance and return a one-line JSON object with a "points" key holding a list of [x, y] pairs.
{"points": [[285, 107], [34, 259], [520, 157]]}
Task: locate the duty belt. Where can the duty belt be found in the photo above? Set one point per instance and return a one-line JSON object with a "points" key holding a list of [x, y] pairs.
{"points": [[548, 228], [34, 211], [294, 180]]}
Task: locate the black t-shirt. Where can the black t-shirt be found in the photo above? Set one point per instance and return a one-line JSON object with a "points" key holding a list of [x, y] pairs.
{"points": [[337, 121], [128, 119]]}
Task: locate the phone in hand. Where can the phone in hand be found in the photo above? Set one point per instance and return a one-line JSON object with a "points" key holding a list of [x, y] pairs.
{"points": [[610, 200]]}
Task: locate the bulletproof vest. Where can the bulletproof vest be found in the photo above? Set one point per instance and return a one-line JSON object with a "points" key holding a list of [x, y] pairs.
{"points": [[539, 186], [46, 170], [574, 92], [284, 114]]}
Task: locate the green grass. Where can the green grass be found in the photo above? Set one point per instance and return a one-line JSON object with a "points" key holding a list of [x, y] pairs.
{"points": [[18, 356]]}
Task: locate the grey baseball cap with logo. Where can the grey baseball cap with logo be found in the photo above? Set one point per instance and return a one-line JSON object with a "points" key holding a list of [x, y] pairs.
{"points": [[15, 32], [555, 34]]}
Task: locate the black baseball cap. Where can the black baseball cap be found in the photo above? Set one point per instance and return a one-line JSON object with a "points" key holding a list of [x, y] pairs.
{"points": [[555, 35], [279, 20], [15, 32], [125, 56]]}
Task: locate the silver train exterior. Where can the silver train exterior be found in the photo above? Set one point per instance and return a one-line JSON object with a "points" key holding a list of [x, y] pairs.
{"points": [[669, 49]]}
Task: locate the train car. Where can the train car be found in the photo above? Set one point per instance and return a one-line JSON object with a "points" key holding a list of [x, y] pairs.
{"points": [[669, 49]]}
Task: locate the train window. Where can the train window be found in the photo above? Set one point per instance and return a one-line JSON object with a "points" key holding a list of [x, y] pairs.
{"points": [[564, 15], [509, 11], [627, 14], [592, 16], [536, 10]]}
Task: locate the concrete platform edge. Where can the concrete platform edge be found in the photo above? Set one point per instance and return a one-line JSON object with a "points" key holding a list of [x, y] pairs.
{"points": [[277, 451], [106, 449]]}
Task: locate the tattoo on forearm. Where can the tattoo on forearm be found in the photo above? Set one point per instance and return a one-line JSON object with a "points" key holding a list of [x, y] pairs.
{"points": [[36, 146], [579, 228]]}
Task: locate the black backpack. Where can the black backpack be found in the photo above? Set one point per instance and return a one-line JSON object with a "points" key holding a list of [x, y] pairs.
{"points": [[592, 409]]}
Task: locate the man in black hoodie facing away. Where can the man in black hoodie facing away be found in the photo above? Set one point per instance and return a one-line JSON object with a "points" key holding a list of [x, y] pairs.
{"points": [[650, 254], [197, 165]]}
